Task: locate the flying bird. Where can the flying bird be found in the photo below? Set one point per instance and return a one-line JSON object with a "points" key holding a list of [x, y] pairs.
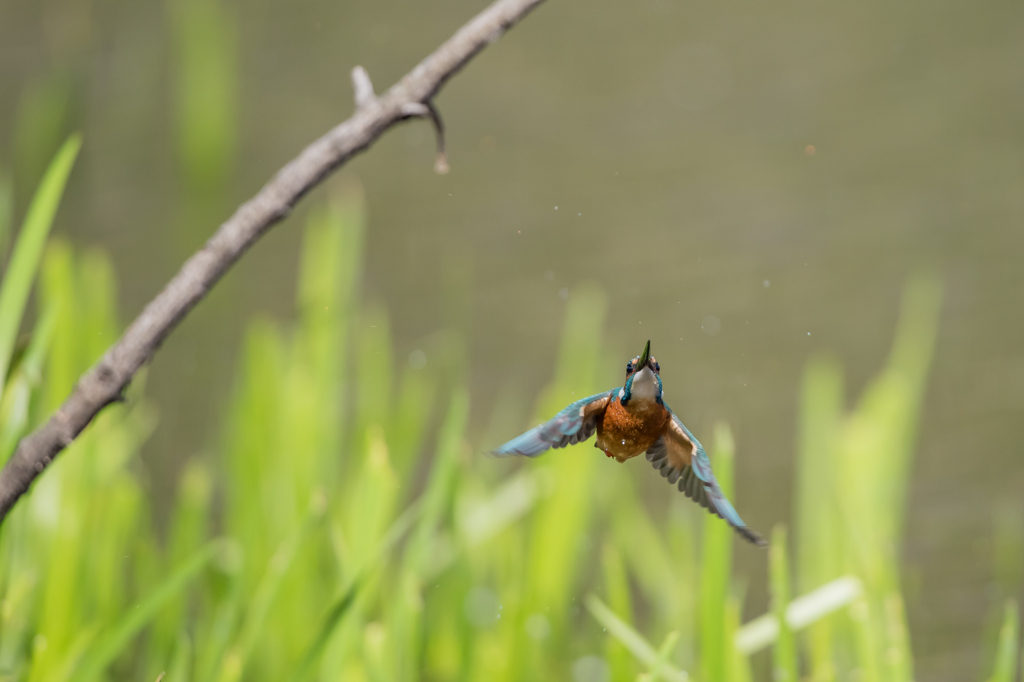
{"points": [[631, 420]]}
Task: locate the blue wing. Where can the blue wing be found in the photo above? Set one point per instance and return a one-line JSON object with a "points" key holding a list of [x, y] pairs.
{"points": [[574, 424], [680, 457]]}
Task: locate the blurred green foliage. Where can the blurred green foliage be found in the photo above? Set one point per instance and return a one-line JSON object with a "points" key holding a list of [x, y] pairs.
{"points": [[204, 41], [334, 533]]}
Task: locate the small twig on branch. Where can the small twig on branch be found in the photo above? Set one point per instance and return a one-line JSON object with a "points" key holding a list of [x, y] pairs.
{"points": [[363, 88], [105, 382]]}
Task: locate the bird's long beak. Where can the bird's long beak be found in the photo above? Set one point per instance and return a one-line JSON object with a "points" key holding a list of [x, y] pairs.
{"points": [[645, 357]]}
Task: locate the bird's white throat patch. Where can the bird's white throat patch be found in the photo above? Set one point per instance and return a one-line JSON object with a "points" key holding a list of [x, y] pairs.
{"points": [[645, 386]]}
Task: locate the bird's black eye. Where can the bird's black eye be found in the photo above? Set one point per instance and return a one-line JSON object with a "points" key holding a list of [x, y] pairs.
{"points": [[657, 367], [629, 367]]}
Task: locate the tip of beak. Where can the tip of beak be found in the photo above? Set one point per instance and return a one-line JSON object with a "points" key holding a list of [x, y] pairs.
{"points": [[645, 356]]}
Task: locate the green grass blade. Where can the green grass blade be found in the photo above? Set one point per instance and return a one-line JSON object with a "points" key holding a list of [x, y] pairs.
{"points": [[189, 530], [784, 666], [1009, 645], [83, 639], [438, 493], [394, 534], [262, 600], [617, 588], [423, 558], [204, 40], [818, 524], [181, 661], [561, 521], [668, 645], [28, 250], [221, 620], [802, 612], [330, 624], [865, 635], [17, 608], [25, 380], [716, 568], [114, 642], [898, 656], [737, 664], [374, 369], [632, 640]]}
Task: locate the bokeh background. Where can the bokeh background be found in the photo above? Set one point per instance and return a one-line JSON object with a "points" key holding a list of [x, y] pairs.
{"points": [[749, 184]]}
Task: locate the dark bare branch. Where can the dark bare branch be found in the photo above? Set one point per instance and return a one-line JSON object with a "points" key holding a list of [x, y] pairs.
{"points": [[105, 382]]}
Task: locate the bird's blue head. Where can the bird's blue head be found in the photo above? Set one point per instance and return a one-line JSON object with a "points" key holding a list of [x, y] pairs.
{"points": [[643, 378]]}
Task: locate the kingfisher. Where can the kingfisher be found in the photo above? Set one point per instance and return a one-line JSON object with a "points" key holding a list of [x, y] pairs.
{"points": [[634, 419]]}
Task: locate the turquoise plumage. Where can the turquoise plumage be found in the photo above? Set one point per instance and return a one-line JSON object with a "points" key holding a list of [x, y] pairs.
{"points": [[631, 420]]}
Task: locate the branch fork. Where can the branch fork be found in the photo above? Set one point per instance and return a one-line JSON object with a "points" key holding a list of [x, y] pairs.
{"points": [[366, 100]]}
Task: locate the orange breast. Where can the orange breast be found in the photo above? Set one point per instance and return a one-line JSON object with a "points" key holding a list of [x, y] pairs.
{"points": [[625, 432]]}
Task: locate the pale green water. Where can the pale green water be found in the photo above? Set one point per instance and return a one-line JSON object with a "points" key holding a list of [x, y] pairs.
{"points": [[673, 139]]}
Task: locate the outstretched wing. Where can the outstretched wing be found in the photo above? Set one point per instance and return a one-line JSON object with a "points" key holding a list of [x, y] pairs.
{"points": [[572, 425], [680, 457]]}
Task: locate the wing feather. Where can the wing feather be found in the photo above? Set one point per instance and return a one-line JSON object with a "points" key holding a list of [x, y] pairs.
{"points": [[574, 424], [680, 457]]}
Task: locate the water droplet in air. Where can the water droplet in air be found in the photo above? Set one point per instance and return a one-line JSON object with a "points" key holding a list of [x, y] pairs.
{"points": [[767, 284]]}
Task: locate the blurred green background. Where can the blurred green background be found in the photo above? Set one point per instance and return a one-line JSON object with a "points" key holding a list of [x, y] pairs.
{"points": [[748, 185]]}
